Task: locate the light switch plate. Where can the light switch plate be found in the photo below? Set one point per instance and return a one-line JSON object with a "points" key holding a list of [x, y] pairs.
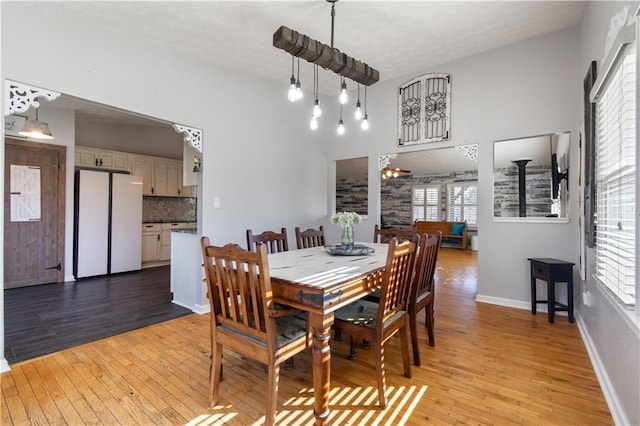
{"points": [[216, 202]]}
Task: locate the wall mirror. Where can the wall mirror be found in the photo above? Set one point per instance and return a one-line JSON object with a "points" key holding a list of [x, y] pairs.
{"points": [[436, 184], [352, 185], [530, 177]]}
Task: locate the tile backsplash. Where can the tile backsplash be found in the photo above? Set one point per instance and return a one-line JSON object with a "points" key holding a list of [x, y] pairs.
{"points": [[169, 209]]}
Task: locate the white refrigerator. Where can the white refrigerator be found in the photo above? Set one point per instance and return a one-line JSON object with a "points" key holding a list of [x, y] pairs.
{"points": [[108, 223]]}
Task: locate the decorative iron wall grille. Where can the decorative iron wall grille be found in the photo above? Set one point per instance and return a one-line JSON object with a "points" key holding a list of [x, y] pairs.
{"points": [[424, 109]]}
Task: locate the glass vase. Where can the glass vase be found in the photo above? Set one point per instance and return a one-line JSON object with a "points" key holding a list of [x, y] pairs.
{"points": [[347, 237]]}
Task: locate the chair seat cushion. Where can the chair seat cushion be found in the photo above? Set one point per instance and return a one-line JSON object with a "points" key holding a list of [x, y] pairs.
{"points": [[288, 328], [363, 313]]}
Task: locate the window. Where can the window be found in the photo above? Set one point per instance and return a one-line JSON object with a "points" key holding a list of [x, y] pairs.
{"points": [[425, 203], [462, 202], [615, 177]]}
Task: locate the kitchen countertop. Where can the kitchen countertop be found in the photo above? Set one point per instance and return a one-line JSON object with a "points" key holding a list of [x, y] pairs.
{"points": [[169, 221], [186, 230]]}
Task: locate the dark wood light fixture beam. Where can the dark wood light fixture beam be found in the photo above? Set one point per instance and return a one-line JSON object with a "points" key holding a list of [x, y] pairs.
{"points": [[327, 57]]}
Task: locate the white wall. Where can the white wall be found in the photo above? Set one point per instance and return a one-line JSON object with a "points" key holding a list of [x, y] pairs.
{"points": [[259, 157], [521, 90], [613, 341]]}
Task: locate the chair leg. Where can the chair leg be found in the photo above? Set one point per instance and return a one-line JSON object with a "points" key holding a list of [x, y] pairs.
{"points": [[404, 345], [353, 350], [272, 394], [379, 361], [413, 328], [429, 319], [215, 374], [289, 364]]}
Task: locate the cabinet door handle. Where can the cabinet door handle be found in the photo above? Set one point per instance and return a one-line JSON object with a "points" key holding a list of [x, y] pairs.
{"points": [[101, 162], [179, 191], [152, 189], [96, 161], [158, 237]]}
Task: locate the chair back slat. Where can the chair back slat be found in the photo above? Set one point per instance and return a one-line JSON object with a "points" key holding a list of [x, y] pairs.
{"points": [[310, 238], [426, 259], [239, 288], [396, 280], [386, 234], [275, 242]]}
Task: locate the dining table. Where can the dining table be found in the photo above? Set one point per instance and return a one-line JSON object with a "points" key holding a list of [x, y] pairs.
{"points": [[319, 282]]}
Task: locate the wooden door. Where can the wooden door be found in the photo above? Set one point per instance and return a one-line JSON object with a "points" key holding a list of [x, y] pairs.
{"points": [[34, 248]]}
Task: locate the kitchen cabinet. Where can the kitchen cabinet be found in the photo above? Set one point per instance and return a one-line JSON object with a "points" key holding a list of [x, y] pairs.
{"points": [[156, 240], [160, 176], [168, 177], [151, 242], [145, 167], [101, 158]]}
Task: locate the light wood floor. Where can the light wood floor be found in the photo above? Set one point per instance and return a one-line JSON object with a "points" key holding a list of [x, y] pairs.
{"points": [[491, 365]]}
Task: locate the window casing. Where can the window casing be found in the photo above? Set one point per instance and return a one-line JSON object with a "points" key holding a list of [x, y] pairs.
{"points": [[425, 202], [462, 202], [615, 178]]}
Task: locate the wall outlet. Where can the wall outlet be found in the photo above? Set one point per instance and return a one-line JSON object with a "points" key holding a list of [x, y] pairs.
{"points": [[586, 298], [216, 202]]}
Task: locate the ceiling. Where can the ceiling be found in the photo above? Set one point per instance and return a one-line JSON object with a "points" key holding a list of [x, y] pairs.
{"points": [[398, 38]]}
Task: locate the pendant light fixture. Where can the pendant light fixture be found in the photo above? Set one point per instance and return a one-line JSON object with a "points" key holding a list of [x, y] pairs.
{"points": [[365, 120], [341, 129], [36, 129], [319, 54], [358, 113], [291, 95], [343, 98], [298, 87], [316, 111]]}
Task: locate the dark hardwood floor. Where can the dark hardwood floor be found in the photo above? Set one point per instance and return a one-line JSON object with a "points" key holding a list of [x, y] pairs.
{"points": [[48, 318]]}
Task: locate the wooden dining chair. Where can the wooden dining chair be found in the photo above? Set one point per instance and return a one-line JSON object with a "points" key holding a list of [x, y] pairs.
{"points": [[385, 234], [243, 317], [310, 238], [378, 322], [275, 242], [423, 290]]}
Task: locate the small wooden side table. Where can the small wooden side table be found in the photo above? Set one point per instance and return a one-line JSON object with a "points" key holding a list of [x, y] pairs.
{"points": [[552, 271]]}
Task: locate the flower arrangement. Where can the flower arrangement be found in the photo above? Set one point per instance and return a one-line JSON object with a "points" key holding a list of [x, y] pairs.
{"points": [[346, 219]]}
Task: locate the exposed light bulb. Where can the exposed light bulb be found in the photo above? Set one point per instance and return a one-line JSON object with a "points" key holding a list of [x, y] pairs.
{"points": [[317, 111], [313, 124], [292, 90], [395, 174], [343, 93], [384, 176], [388, 173], [365, 123], [298, 91], [358, 114], [341, 127]]}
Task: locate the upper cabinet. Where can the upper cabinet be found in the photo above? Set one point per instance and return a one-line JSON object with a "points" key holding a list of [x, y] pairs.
{"points": [[160, 176], [100, 158], [168, 177], [145, 167]]}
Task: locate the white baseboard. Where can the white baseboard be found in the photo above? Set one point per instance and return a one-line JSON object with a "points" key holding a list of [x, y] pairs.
{"points": [[201, 309], [69, 278], [610, 395], [512, 303], [4, 365], [196, 309]]}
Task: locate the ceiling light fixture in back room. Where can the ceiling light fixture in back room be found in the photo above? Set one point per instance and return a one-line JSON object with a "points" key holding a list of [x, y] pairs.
{"points": [[302, 46]]}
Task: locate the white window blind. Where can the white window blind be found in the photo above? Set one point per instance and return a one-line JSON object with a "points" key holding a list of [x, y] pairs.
{"points": [[425, 203], [462, 202], [616, 179]]}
